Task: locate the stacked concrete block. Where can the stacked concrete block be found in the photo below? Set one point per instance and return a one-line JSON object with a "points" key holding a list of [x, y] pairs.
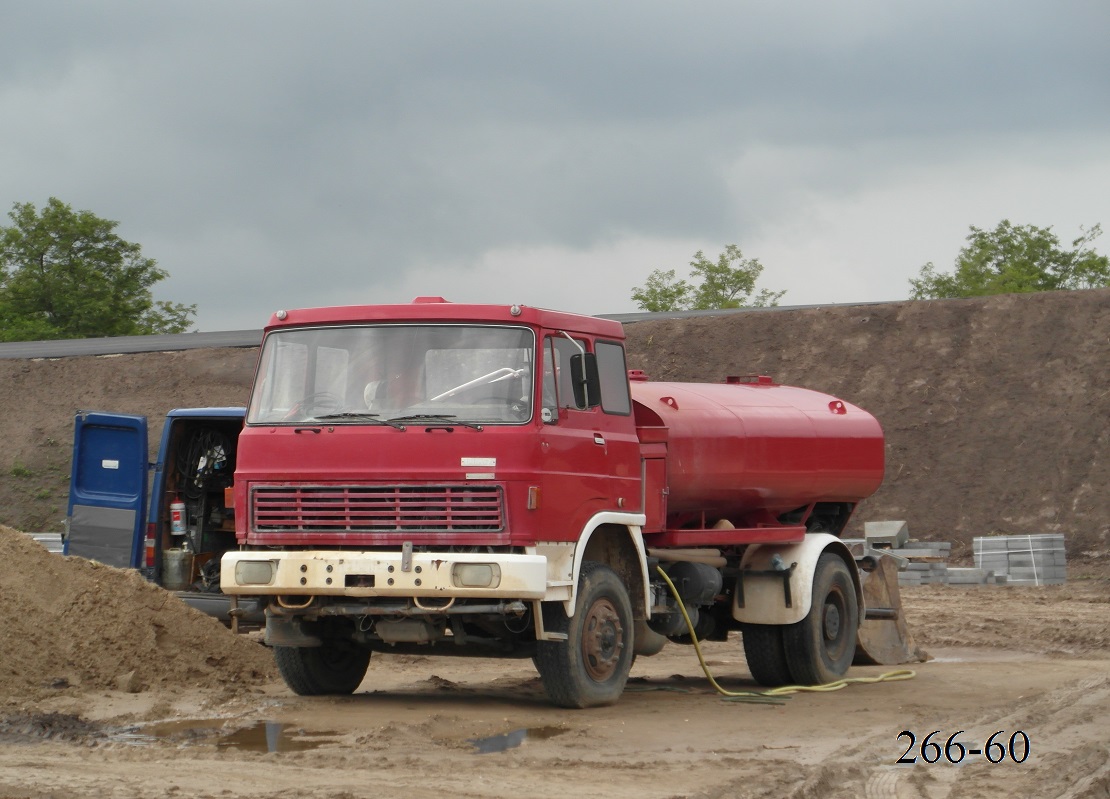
{"points": [[1024, 559], [919, 562], [52, 541], [973, 576], [927, 562]]}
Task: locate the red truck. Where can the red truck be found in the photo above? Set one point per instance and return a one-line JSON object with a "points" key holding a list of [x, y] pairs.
{"points": [[491, 480]]}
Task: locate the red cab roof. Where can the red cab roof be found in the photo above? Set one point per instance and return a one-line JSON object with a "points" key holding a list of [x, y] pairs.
{"points": [[436, 309]]}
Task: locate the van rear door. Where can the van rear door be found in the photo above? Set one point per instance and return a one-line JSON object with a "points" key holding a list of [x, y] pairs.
{"points": [[108, 489]]}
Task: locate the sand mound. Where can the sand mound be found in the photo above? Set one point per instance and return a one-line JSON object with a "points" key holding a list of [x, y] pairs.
{"points": [[74, 623]]}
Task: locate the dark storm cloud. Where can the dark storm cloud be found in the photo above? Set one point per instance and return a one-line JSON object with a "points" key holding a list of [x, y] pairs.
{"points": [[254, 140]]}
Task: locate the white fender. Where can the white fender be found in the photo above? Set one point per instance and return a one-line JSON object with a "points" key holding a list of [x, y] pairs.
{"points": [[764, 597], [631, 522]]}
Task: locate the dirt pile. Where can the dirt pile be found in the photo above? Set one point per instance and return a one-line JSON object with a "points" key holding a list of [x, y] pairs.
{"points": [[72, 624], [996, 410]]}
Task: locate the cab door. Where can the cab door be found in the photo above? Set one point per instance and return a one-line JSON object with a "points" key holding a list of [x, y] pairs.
{"points": [[106, 516], [590, 456]]}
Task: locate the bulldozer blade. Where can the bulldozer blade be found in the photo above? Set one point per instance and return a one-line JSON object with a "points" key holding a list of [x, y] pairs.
{"points": [[884, 639]]}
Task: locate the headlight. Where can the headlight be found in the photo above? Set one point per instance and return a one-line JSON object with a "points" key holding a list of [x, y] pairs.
{"points": [[476, 575], [255, 572]]}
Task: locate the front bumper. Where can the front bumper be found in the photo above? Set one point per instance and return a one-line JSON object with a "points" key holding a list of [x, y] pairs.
{"points": [[384, 574]]}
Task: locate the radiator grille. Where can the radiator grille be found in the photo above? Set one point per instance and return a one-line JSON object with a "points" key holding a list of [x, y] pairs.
{"points": [[440, 509]]}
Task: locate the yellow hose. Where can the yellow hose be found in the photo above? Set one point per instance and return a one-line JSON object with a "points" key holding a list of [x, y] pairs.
{"points": [[783, 691]]}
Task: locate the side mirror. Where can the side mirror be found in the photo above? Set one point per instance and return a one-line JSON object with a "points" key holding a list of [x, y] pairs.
{"points": [[586, 380]]}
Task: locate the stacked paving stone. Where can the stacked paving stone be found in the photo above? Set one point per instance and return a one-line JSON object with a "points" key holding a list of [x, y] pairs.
{"points": [[962, 575], [919, 562], [926, 562], [1024, 559], [999, 560], [52, 541]]}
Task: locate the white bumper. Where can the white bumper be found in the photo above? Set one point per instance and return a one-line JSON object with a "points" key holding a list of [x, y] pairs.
{"points": [[384, 574]]}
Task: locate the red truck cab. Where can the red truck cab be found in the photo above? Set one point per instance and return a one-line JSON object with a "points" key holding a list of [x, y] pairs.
{"points": [[434, 424]]}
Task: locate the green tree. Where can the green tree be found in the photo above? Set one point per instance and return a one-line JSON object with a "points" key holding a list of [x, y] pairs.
{"points": [[728, 282], [66, 274], [1014, 259]]}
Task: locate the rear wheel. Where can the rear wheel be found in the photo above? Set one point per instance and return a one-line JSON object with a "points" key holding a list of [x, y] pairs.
{"points": [[766, 656], [819, 648], [591, 667], [328, 669]]}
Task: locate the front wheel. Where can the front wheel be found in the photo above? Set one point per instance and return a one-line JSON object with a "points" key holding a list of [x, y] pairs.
{"points": [[328, 669], [591, 666], [819, 648]]}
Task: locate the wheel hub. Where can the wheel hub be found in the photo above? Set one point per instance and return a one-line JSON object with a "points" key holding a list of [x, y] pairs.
{"points": [[602, 640], [832, 622]]}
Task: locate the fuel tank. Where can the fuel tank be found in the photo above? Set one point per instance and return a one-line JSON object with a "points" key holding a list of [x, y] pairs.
{"points": [[749, 449]]}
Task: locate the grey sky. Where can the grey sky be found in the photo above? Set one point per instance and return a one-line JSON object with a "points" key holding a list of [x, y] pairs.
{"points": [[278, 154]]}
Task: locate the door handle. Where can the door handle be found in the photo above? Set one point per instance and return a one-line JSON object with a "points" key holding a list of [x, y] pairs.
{"points": [[599, 439]]}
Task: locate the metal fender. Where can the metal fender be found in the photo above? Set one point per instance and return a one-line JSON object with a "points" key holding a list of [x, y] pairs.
{"points": [[761, 596]]}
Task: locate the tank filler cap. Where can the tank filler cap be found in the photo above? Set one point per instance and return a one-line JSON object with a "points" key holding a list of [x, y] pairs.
{"points": [[637, 376], [428, 300], [750, 380]]}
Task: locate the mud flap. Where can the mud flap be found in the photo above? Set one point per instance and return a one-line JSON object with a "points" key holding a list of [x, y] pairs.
{"points": [[884, 638]]}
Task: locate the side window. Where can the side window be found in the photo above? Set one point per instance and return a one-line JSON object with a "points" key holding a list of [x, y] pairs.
{"points": [[558, 391], [614, 378]]}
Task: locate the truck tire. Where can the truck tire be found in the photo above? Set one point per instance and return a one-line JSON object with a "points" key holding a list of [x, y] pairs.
{"points": [[765, 654], [590, 668], [819, 648], [319, 670]]}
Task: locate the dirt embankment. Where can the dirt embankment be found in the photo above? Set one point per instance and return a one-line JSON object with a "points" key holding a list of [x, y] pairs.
{"points": [[996, 410]]}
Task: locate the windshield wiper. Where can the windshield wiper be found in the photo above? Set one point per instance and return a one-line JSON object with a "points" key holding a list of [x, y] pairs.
{"points": [[360, 417], [444, 418]]}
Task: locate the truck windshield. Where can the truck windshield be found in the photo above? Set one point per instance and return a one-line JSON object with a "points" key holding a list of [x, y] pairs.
{"points": [[374, 374]]}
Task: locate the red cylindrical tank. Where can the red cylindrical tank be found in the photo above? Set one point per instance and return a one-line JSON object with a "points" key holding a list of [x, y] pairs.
{"points": [[750, 445]]}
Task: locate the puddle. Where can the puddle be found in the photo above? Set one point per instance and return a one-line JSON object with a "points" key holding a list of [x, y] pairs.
{"points": [[511, 740], [262, 736]]}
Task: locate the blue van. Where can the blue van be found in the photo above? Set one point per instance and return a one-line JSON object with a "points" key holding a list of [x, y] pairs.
{"points": [[172, 519]]}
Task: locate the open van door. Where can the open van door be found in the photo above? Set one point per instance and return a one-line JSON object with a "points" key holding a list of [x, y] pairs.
{"points": [[106, 517]]}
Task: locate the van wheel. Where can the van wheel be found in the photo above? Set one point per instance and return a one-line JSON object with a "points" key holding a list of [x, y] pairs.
{"points": [[328, 669], [591, 667], [821, 646]]}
